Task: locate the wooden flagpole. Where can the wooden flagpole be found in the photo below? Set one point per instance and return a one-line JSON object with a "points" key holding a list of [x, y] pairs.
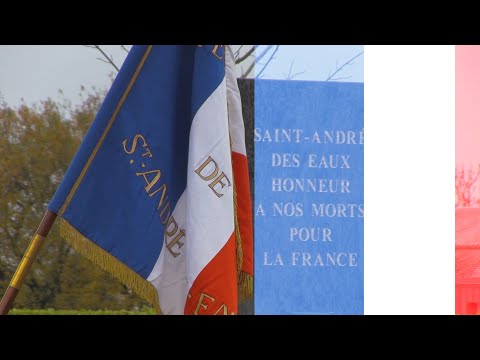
{"points": [[27, 261]]}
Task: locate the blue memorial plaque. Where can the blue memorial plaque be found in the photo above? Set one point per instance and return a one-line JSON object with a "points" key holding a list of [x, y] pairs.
{"points": [[308, 197]]}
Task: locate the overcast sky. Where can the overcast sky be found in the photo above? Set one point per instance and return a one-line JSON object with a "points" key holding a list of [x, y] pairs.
{"points": [[35, 73]]}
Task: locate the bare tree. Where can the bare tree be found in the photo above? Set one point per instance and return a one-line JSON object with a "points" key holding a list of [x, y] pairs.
{"points": [[291, 74], [245, 57], [466, 186], [249, 58], [339, 69], [106, 58]]}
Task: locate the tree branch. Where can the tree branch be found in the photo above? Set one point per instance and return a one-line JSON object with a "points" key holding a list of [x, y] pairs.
{"points": [[107, 59], [246, 55], [348, 62], [290, 76], [238, 51], [249, 70], [466, 182], [268, 61], [257, 59]]}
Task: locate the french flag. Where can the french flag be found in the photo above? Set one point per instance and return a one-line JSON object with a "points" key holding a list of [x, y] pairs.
{"points": [[158, 193], [214, 210]]}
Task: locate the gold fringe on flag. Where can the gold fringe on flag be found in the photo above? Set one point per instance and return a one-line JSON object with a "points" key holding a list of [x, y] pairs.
{"points": [[245, 286], [244, 280], [110, 264], [238, 238]]}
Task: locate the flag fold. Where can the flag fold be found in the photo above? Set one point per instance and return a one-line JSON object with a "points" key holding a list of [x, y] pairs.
{"points": [[158, 192]]}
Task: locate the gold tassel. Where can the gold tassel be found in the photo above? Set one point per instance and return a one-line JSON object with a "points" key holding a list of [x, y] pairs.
{"points": [[245, 286], [244, 280], [238, 238], [110, 264]]}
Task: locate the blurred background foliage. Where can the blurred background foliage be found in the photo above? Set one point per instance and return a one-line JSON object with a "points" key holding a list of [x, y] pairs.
{"points": [[37, 143]]}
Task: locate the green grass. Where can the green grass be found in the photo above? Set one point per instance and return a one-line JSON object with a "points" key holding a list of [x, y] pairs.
{"points": [[144, 311]]}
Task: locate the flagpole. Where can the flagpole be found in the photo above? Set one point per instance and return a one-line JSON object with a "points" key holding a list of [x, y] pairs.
{"points": [[26, 262]]}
